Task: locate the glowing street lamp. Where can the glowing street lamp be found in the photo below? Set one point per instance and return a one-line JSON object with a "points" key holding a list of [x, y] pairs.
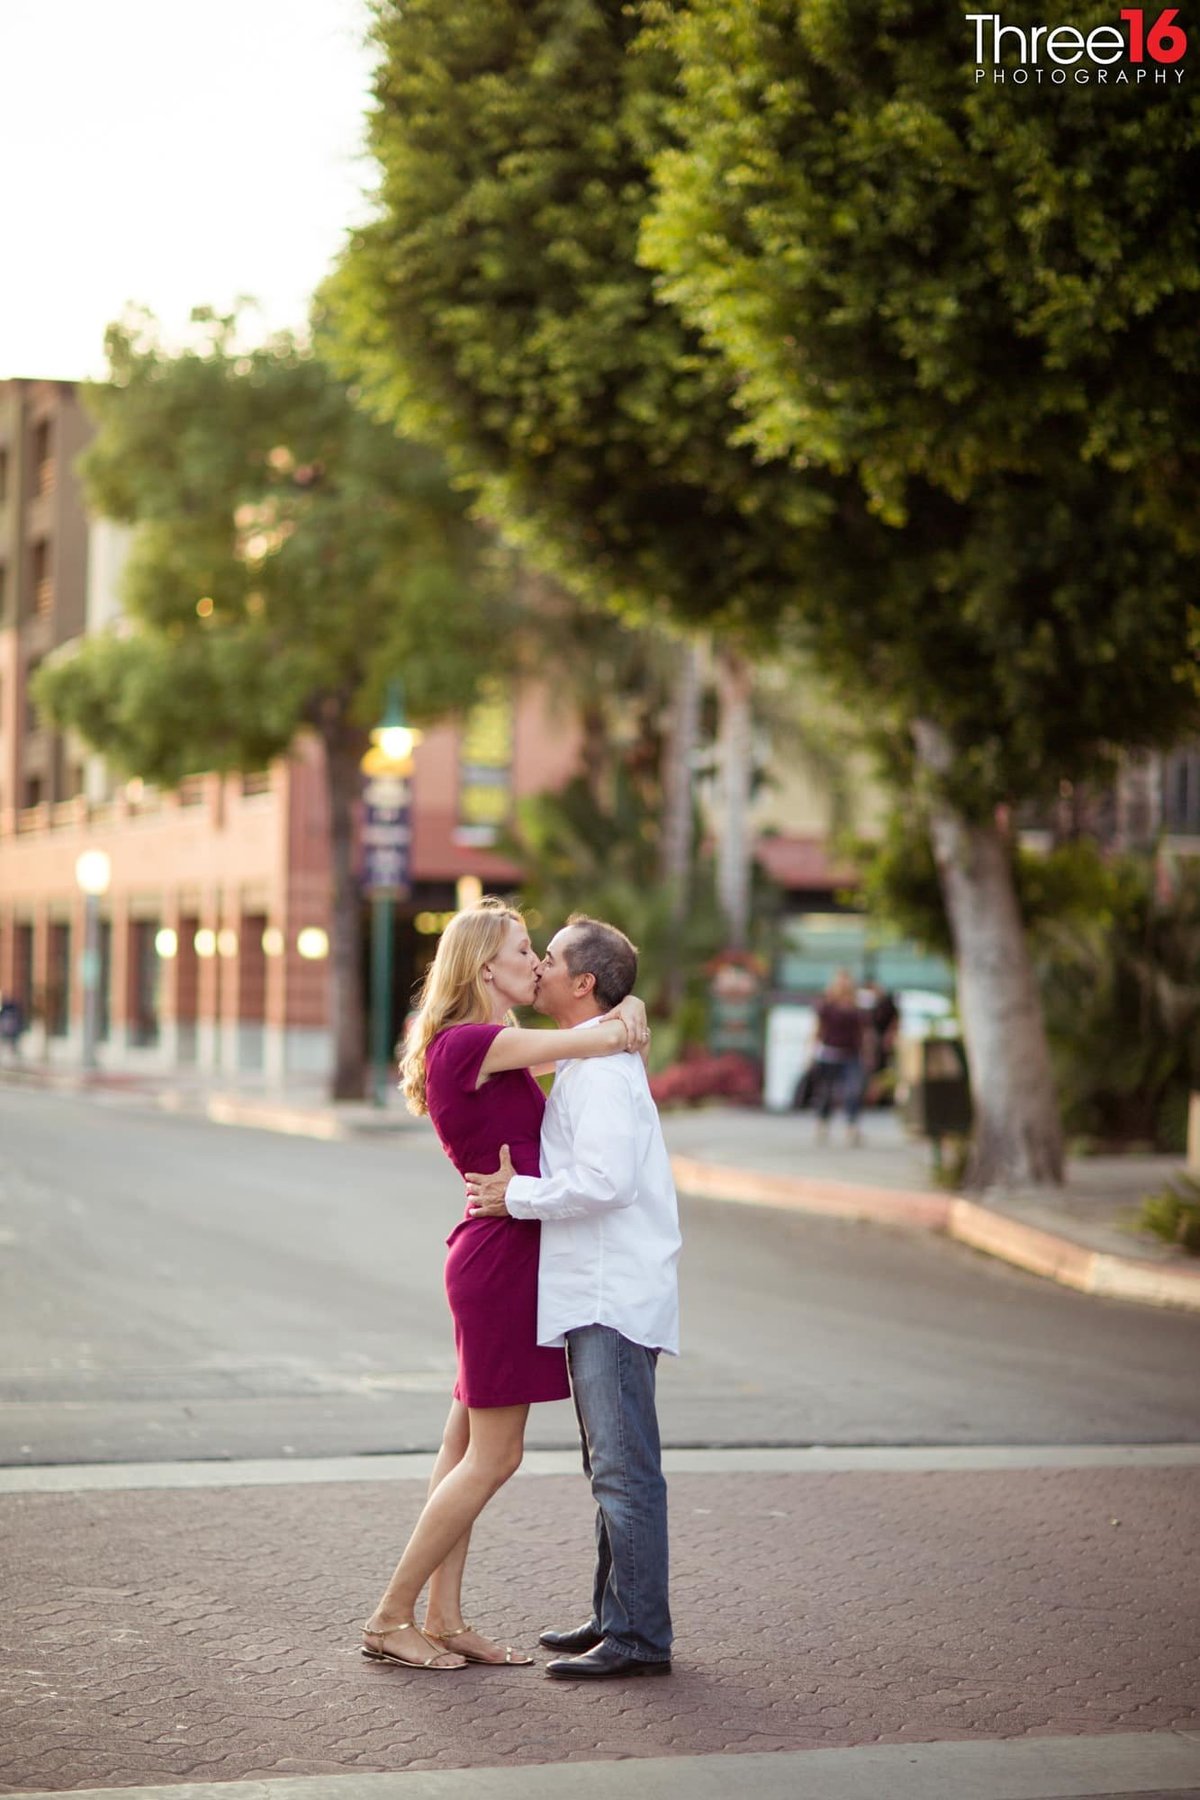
{"points": [[393, 740]]}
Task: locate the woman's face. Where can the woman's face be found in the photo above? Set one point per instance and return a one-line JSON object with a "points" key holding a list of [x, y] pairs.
{"points": [[513, 969]]}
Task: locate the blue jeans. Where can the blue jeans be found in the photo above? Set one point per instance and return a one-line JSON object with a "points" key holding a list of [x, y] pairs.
{"points": [[612, 1381], [838, 1083]]}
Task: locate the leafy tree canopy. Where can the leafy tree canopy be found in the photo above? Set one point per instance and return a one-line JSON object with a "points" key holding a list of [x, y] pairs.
{"points": [[291, 555], [912, 386], [497, 307], [980, 303]]}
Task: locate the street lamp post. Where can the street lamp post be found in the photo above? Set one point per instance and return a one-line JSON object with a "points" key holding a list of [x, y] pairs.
{"points": [[93, 872], [386, 767]]}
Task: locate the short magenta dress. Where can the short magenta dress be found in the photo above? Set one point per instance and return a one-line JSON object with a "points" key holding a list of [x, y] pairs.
{"points": [[492, 1266]]}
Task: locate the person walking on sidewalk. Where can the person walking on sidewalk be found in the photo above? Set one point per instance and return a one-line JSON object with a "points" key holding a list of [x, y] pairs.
{"points": [[12, 1024], [468, 1066], [608, 1288], [837, 1057]]}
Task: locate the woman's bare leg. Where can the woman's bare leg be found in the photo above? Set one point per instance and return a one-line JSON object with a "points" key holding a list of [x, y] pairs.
{"points": [[443, 1609], [494, 1450], [443, 1602]]}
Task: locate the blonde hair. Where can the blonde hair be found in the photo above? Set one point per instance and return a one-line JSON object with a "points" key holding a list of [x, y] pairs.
{"points": [[841, 987], [455, 992]]}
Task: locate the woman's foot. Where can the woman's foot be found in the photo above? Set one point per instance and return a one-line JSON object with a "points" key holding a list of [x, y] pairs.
{"points": [[474, 1646], [404, 1643]]}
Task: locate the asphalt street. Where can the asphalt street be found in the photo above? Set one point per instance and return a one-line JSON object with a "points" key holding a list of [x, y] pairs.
{"points": [[175, 1289]]}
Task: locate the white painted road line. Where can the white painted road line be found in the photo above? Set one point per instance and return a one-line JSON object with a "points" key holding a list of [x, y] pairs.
{"points": [[1050, 1768], [818, 1459]]}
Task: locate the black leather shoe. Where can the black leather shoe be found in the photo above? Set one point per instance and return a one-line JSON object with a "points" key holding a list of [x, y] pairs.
{"points": [[602, 1664], [571, 1643]]}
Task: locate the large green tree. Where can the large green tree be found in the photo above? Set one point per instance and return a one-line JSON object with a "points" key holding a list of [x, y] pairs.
{"points": [[980, 304], [291, 556], [495, 304], [853, 406]]}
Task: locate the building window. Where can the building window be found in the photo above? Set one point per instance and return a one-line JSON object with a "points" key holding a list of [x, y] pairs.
{"points": [[147, 982], [104, 982], [43, 458], [1181, 793], [485, 768], [58, 982], [43, 585], [33, 721], [23, 971], [33, 791]]}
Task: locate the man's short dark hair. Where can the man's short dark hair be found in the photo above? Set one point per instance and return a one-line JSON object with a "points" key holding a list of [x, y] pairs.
{"points": [[603, 951]]}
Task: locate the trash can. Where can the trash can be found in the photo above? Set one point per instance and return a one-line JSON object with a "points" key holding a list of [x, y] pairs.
{"points": [[938, 1103]]}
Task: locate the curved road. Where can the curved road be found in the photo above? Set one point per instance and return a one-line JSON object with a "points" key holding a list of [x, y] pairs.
{"points": [[170, 1288]]}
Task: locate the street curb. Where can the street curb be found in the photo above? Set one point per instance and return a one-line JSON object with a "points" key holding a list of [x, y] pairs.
{"points": [[837, 1199], [1044, 1253], [321, 1121], [293, 1121], [303, 1121]]}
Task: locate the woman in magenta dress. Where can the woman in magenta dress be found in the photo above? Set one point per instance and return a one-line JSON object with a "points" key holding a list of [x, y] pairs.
{"points": [[470, 1068]]}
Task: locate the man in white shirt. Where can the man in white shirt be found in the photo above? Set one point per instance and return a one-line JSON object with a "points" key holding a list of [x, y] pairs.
{"points": [[607, 1288]]}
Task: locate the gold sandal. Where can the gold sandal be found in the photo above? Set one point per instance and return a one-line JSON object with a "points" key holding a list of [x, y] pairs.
{"points": [[511, 1657], [430, 1662]]}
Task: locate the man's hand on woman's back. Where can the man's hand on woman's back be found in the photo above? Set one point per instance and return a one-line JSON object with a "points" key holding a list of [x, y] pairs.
{"points": [[486, 1192]]}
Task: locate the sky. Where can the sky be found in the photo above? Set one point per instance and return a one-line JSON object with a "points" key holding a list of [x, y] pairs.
{"points": [[171, 156]]}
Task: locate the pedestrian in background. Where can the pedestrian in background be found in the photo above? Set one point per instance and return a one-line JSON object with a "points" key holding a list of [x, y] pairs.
{"points": [[12, 1024], [882, 1018], [837, 1057], [468, 1065]]}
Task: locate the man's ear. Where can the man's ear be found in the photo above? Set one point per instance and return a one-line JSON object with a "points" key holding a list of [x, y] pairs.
{"points": [[584, 985]]}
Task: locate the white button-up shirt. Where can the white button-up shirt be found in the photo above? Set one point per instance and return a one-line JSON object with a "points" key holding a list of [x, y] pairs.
{"points": [[606, 1201]]}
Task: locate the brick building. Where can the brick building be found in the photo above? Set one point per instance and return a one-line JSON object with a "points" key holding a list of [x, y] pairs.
{"points": [[214, 930], [213, 933]]}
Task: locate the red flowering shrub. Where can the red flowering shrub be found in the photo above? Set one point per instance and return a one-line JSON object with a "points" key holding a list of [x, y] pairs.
{"points": [[702, 1076]]}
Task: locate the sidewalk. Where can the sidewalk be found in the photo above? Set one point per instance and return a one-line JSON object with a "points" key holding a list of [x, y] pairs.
{"points": [[301, 1109], [1083, 1235]]}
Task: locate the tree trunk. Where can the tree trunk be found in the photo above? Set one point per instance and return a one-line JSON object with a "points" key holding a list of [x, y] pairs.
{"points": [[675, 861], [734, 686], [1017, 1138], [344, 747]]}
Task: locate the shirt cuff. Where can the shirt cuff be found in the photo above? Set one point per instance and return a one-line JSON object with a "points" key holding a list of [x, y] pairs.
{"points": [[520, 1194]]}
